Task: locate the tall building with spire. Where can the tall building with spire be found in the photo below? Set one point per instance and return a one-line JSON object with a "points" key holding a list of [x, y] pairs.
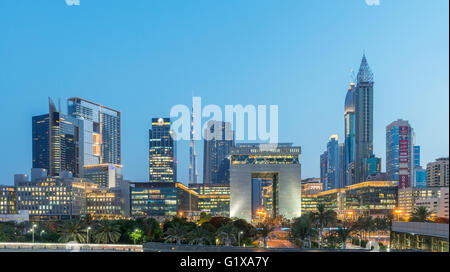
{"points": [[363, 99], [193, 172]]}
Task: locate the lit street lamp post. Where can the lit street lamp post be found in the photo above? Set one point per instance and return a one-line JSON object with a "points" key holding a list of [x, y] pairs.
{"points": [[87, 234], [32, 232], [239, 237]]}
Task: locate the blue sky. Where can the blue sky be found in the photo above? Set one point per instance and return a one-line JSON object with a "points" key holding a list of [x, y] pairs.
{"points": [[142, 57]]}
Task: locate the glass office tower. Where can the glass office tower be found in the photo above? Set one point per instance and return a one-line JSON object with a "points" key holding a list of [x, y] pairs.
{"points": [[363, 99], [333, 179], [99, 132], [349, 142], [162, 152], [55, 143], [217, 147]]}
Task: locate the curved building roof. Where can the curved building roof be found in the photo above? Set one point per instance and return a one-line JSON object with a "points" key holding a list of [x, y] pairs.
{"points": [[350, 100]]}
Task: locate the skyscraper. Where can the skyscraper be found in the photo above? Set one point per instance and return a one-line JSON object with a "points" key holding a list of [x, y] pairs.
{"points": [[400, 153], [363, 99], [99, 132], [349, 141], [324, 169], [216, 152], [162, 152], [193, 172], [333, 172], [55, 142]]}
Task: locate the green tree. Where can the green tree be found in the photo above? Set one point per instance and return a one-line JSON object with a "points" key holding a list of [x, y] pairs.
{"points": [[106, 232], [7, 232], [151, 228], [137, 236], [227, 234], [176, 232], [420, 214], [303, 229], [72, 230], [199, 236], [343, 232], [324, 217]]}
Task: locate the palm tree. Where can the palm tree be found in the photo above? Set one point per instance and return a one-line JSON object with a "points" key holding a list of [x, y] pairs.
{"points": [[420, 214], [264, 232], [177, 232], [323, 217], [227, 233], [302, 229], [344, 231], [106, 232], [72, 230], [199, 236]]}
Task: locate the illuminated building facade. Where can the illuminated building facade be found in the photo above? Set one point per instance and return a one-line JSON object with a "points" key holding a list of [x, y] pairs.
{"points": [[219, 140], [99, 131], [434, 198], [162, 199], [213, 199], [371, 197], [311, 186], [106, 175], [366, 198], [162, 152], [419, 236], [53, 198], [103, 203], [279, 167], [7, 200], [55, 142]]}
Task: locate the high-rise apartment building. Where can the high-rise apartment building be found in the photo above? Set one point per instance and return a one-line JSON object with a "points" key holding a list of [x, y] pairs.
{"points": [[219, 140], [437, 173], [162, 152]]}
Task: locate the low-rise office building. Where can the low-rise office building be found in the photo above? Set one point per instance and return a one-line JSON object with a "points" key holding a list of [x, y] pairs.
{"points": [[434, 198], [53, 198], [418, 236], [213, 199], [367, 198], [7, 200], [163, 200]]}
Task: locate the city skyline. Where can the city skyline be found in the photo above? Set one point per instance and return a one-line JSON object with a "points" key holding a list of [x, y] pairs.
{"points": [[392, 82]]}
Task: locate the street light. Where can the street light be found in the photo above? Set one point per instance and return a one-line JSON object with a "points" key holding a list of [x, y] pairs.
{"points": [[134, 236], [87, 234], [239, 237], [32, 230]]}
